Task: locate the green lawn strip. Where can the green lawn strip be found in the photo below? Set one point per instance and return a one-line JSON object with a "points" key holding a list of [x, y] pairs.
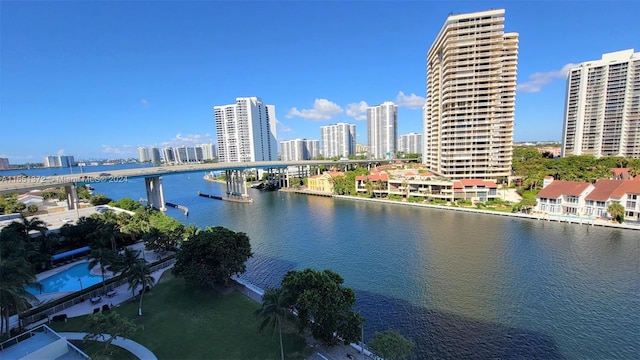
{"points": [[183, 323]]}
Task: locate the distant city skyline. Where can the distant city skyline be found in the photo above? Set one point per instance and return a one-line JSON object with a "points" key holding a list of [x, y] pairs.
{"points": [[151, 78]]}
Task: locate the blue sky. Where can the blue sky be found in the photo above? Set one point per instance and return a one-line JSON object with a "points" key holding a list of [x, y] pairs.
{"points": [[99, 79]]}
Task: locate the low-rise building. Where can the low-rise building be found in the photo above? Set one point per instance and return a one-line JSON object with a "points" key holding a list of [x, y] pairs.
{"points": [[559, 197], [323, 182]]}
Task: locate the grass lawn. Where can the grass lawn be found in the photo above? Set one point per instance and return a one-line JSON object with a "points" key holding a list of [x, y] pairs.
{"points": [[95, 349], [182, 323]]}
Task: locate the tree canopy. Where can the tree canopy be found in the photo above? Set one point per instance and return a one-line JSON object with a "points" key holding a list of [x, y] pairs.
{"points": [[112, 324], [391, 345], [323, 305], [211, 256]]}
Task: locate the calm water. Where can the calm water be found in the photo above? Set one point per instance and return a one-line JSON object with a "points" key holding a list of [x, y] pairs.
{"points": [[461, 285], [73, 279]]}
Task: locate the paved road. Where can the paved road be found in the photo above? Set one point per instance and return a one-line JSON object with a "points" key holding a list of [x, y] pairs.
{"points": [[133, 347]]}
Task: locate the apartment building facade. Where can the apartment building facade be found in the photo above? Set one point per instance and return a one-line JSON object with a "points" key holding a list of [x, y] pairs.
{"points": [[410, 143], [382, 130], [246, 131], [299, 149], [602, 107], [338, 140], [471, 86]]}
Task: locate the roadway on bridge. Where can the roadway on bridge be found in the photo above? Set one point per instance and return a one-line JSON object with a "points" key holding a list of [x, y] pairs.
{"points": [[16, 184]]}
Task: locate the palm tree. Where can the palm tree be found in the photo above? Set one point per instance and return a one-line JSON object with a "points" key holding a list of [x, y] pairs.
{"points": [[274, 312], [25, 226], [140, 275], [102, 257], [125, 261], [616, 211], [15, 274]]}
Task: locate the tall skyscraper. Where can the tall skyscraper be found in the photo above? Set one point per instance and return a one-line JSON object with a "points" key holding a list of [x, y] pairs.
{"points": [[338, 140], [168, 155], [382, 130], [299, 149], [143, 154], [602, 109], [4, 163], [471, 87], [58, 161], [246, 131], [208, 151], [155, 155], [410, 143]]}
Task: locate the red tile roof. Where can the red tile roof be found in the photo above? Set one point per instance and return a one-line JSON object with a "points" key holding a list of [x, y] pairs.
{"points": [[335, 173], [621, 173], [604, 188], [559, 188], [374, 177]]}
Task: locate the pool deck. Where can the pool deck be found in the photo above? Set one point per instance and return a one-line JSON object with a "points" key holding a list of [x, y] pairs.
{"points": [[123, 293]]}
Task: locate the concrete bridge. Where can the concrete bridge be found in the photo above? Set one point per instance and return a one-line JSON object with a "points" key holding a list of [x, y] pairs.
{"points": [[235, 177]]}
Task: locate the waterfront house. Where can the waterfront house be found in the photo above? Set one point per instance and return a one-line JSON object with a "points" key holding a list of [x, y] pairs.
{"points": [[377, 183], [606, 192], [561, 197], [323, 182]]}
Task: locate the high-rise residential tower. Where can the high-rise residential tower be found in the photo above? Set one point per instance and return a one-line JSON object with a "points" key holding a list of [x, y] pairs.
{"points": [[246, 131], [410, 143], [382, 130], [208, 151], [602, 109], [299, 149], [338, 140], [143, 154], [471, 88], [4, 163], [168, 155], [154, 153]]}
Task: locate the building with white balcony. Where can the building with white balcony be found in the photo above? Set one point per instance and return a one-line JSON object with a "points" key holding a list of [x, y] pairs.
{"points": [[338, 140], [471, 86], [410, 143], [299, 149], [208, 151], [602, 107], [4, 163], [382, 130], [168, 155], [58, 161], [246, 131]]}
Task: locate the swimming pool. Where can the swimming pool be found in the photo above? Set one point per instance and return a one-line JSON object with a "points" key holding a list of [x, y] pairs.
{"points": [[74, 278]]}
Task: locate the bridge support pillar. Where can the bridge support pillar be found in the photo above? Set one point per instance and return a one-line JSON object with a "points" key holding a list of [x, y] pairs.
{"points": [[72, 197], [237, 183], [155, 195]]}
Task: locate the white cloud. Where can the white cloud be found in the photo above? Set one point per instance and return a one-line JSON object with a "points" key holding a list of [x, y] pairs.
{"points": [[112, 150], [282, 127], [538, 80], [323, 109], [144, 103], [358, 110], [412, 101], [187, 140]]}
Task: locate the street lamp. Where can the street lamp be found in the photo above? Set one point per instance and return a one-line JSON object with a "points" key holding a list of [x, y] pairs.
{"points": [[80, 281]]}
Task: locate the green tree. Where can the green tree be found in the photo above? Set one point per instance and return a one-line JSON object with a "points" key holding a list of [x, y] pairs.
{"points": [[616, 211], [323, 305], [100, 325], [15, 274], [99, 199], [140, 275], [126, 203], [32, 209], [212, 256], [125, 261], [391, 345], [26, 226], [103, 257], [273, 312]]}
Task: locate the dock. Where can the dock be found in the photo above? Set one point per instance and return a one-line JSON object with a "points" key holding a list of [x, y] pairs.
{"points": [[176, 206], [232, 199]]}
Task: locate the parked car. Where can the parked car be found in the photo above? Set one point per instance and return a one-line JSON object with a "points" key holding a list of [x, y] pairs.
{"points": [[67, 220]]}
